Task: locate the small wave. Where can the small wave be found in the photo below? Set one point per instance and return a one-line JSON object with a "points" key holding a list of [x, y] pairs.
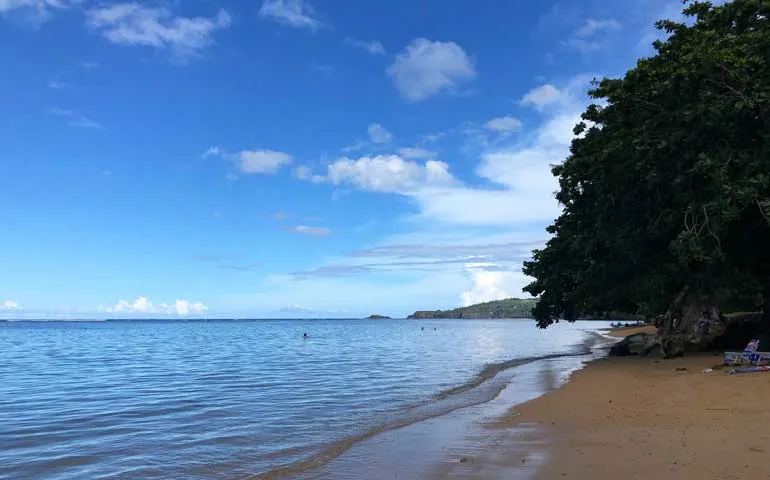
{"points": [[480, 389]]}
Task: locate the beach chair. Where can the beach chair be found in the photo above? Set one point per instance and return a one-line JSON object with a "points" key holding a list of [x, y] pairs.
{"points": [[750, 355]]}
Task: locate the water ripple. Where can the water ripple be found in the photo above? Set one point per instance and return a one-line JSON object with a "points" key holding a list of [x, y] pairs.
{"points": [[123, 400]]}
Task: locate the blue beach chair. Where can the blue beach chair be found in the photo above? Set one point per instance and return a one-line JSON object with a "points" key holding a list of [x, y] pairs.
{"points": [[750, 355]]}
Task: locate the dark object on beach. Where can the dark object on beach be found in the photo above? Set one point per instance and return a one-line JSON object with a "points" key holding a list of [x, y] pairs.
{"points": [[680, 369], [635, 344], [463, 460]]}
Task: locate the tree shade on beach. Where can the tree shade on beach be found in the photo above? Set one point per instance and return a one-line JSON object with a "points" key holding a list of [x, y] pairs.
{"points": [[666, 192]]}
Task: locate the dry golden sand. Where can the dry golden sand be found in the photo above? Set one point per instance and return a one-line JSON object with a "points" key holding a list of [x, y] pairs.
{"points": [[646, 418]]}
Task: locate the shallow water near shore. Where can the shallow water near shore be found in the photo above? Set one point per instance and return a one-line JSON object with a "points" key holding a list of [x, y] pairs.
{"points": [[242, 399]]}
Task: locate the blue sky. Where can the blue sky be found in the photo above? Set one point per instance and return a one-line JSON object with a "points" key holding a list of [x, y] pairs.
{"points": [[288, 158]]}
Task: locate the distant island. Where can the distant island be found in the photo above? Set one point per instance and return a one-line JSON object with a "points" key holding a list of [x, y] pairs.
{"points": [[508, 308], [377, 317]]}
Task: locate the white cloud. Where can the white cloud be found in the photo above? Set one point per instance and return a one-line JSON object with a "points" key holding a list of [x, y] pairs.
{"points": [[489, 285], [10, 305], [185, 307], [415, 152], [262, 161], [134, 24], [75, 119], [143, 306], [591, 26], [542, 97], [39, 10], [57, 85], [504, 124], [293, 13], [373, 47], [303, 172], [426, 68], [314, 231], [486, 286], [516, 186], [378, 133], [388, 173], [214, 151]]}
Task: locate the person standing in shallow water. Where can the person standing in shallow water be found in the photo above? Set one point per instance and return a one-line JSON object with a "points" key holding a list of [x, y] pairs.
{"points": [[304, 335]]}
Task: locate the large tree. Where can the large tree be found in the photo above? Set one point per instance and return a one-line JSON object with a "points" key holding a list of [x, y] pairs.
{"points": [[666, 192]]}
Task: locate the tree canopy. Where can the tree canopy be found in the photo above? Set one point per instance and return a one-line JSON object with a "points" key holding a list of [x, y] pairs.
{"points": [[666, 191]]}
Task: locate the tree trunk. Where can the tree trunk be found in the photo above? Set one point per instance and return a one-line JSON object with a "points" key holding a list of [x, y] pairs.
{"points": [[691, 320]]}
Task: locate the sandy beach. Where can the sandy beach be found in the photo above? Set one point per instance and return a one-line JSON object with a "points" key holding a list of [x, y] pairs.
{"points": [[632, 417]]}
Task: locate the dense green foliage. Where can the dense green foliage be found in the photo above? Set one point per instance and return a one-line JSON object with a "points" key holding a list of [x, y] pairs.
{"points": [[508, 308], [666, 192]]}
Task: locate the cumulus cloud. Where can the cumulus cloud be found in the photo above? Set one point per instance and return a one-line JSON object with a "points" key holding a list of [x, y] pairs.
{"points": [[373, 48], [262, 161], [542, 96], [378, 133], [292, 13], [517, 187], [313, 231], [506, 124], [387, 173], [486, 285], [428, 67], [143, 306], [10, 305], [135, 24]]}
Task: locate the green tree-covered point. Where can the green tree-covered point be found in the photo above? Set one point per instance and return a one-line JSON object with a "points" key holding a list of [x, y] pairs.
{"points": [[666, 192]]}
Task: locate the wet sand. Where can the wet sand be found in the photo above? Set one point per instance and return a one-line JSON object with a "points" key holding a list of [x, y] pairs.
{"points": [[642, 418]]}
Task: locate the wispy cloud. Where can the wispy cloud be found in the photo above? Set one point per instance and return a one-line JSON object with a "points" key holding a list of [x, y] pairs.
{"points": [[373, 47], [214, 151], [416, 152], [135, 24], [503, 125], [75, 119], [35, 11], [591, 26], [292, 13], [312, 231], [57, 84], [228, 262], [489, 251], [322, 68]]}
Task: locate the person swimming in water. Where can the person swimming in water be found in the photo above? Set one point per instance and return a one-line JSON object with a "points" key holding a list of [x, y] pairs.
{"points": [[304, 335]]}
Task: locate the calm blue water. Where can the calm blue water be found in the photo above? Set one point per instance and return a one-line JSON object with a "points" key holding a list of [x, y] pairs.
{"points": [[233, 399]]}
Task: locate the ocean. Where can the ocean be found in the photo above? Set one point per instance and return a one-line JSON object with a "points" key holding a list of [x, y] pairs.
{"points": [[255, 399]]}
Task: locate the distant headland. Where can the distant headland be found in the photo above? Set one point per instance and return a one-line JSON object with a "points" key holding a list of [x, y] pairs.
{"points": [[377, 317], [508, 308]]}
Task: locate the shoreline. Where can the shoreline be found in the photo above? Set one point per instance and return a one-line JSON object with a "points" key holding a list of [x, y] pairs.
{"points": [[485, 389], [634, 417], [459, 443]]}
